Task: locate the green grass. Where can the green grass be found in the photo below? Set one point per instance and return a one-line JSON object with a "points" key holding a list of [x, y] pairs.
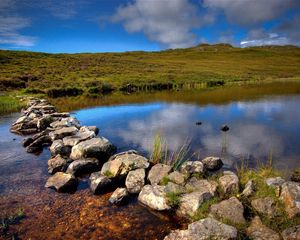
{"points": [[9, 104], [108, 174], [173, 199], [200, 66]]}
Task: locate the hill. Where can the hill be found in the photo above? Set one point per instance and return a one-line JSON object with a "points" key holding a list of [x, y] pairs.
{"points": [[72, 74]]}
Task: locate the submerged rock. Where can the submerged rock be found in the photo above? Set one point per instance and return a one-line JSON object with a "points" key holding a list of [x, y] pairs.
{"points": [[158, 172], [57, 164], [98, 147], [62, 182], [118, 196], [99, 183], [204, 229], [83, 166], [153, 196], [231, 209], [290, 195], [135, 180], [258, 231], [229, 182], [212, 163]]}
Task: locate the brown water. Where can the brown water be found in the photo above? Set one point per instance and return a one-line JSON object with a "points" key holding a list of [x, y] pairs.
{"points": [[263, 120]]}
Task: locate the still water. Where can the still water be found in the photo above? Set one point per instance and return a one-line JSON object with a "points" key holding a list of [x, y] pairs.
{"points": [[263, 124]]}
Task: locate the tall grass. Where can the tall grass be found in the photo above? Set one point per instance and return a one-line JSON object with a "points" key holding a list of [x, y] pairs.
{"points": [[161, 153], [9, 104]]}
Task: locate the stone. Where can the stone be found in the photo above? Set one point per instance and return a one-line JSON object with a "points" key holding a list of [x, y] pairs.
{"points": [[290, 195], [153, 196], [83, 166], [58, 147], [27, 141], [63, 132], [174, 188], [44, 122], [212, 163], [57, 164], [296, 175], [231, 209], [99, 183], [77, 138], [249, 189], [201, 185], [66, 122], [229, 182], [62, 182], [192, 167], [274, 182], [98, 147], [118, 196], [135, 180], [112, 169], [158, 172], [190, 202], [177, 177], [265, 206], [89, 128], [258, 231], [205, 229], [38, 144], [292, 233]]}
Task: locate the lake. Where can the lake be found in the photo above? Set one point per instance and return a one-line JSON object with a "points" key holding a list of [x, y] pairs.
{"points": [[263, 124]]}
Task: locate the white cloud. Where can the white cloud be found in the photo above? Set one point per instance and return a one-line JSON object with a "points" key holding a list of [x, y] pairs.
{"points": [[251, 12], [271, 39], [168, 22]]}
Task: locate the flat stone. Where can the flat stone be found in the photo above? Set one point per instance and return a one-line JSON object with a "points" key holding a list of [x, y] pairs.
{"points": [[202, 185], [212, 163], [77, 138], [258, 231], [177, 177], [274, 182], [153, 196], [99, 183], [192, 167], [94, 129], [292, 233], [57, 164], [118, 196], [229, 182], [158, 172], [83, 166], [62, 182], [265, 206], [66, 122], [205, 229], [231, 209], [135, 180], [98, 147], [63, 132], [290, 195]]}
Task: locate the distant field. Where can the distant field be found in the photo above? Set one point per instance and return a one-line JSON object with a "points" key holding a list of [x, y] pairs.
{"points": [[86, 73]]}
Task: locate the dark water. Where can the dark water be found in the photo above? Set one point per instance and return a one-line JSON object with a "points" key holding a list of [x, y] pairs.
{"points": [[262, 126]]}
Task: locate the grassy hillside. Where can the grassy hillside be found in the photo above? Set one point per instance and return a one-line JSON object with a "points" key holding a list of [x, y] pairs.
{"points": [[72, 74]]}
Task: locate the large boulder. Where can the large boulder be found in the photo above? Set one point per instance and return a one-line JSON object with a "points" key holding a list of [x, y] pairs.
{"points": [[135, 180], [265, 206], [201, 185], [290, 195], [118, 196], [204, 229], [158, 172], [229, 182], [78, 137], [99, 183], [231, 209], [292, 233], [153, 196], [212, 163], [258, 231], [83, 166], [98, 147], [192, 167], [62, 182], [57, 164], [177, 177], [63, 132], [58, 147]]}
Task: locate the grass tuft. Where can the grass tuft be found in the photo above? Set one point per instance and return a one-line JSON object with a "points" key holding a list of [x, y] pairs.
{"points": [[9, 104]]}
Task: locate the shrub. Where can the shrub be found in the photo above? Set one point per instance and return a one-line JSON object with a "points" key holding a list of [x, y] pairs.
{"points": [[62, 92]]}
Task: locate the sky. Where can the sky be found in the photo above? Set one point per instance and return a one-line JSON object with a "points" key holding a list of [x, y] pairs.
{"points": [[70, 26]]}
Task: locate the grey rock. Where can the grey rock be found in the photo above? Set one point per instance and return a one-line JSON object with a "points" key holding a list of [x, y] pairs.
{"points": [[249, 189], [83, 166], [78, 137], [292, 233], [37, 145], [63, 132], [229, 182], [153, 196], [99, 183], [62, 182], [118, 196], [177, 177], [58, 147], [90, 128], [158, 172], [44, 122], [57, 164], [231, 209], [212, 163], [290, 195], [135, 180], [66, 122], [202, 185], [174, 188], [192, 167], [113, 168], [98, 147], [274, 182], [258, 231], [265, 206]]}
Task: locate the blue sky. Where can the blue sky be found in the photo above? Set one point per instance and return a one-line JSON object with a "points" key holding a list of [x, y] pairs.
{"points": [[150, 25]]}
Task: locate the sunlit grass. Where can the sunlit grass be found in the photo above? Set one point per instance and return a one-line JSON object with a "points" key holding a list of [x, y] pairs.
{"points": [[9, 104]]}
